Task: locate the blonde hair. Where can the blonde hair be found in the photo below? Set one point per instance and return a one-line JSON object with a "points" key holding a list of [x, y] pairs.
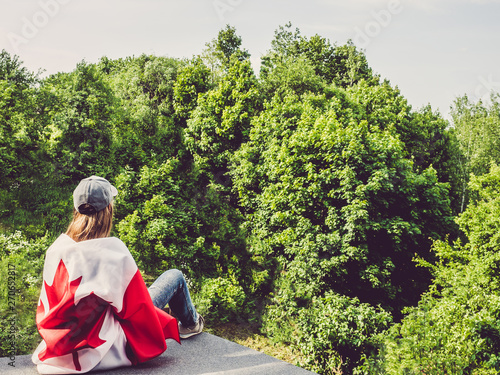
{"points": [[93, 225]]}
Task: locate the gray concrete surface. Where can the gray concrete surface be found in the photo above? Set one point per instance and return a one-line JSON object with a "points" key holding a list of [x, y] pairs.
{"points": [[204, 354]]}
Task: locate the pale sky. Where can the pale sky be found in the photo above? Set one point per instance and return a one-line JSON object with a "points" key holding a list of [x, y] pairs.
{"points": [[433, 50]]}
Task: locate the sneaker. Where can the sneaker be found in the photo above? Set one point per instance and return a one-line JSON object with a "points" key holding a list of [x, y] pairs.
{"points": [[185, 332]]}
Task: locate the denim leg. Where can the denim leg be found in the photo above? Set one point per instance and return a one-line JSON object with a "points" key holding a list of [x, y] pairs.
{"points": [[171, 288]]}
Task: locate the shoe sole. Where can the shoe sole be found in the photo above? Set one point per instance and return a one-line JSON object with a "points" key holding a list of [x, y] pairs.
{"points": [[188, 335]]}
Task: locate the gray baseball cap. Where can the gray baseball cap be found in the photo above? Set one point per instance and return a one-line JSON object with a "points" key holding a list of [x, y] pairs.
{"points": [[95, 191]]}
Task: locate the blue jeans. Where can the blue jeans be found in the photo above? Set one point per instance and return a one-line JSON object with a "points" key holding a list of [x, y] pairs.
{"points": [[171, 288]]}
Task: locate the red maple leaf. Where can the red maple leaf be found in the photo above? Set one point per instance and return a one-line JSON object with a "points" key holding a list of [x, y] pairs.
{"points": [[64, 326]]}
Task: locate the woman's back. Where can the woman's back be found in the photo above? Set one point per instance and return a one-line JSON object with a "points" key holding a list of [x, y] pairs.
{"points": [[95, 311]]}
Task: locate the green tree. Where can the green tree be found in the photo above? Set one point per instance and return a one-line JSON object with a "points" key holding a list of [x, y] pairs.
{"points": [[28, 198], [192, 80], [342, 65], [79, 132], [221, 121], [222, 51], [455, 327], [291, 75], [431, 142], [20, 129], [171, 220], [144, 122], [332, 197], [316, 183], [477, 129], [426, 135]]}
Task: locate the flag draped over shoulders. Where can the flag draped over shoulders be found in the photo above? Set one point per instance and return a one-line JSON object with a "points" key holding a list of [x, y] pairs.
{"points": [[94, 311]]}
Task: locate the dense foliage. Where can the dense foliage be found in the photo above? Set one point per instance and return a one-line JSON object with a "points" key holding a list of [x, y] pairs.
{"points": [[304, 199], [21, 267], [455, 329], [476, 127]]}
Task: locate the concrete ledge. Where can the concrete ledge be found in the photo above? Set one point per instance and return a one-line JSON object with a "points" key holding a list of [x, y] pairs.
{"points": [[203, 354]]}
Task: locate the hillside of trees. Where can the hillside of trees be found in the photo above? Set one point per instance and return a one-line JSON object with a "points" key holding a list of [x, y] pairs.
{"points": [[308, 198]]}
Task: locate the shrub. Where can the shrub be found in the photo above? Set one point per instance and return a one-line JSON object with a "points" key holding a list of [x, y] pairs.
{"points": [[336, 330], [220, 300], [455, 328], [21, 265], [174, 219], [452, 331], [332, 333]]}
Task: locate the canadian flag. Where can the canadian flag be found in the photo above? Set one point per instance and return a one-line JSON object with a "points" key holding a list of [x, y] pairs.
{"points": [[95, 312]]}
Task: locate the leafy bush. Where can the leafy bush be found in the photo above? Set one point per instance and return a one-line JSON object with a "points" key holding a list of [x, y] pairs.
{"points": [[332, 333], [170, 218], [335, 201], [21, 265], [455, 328], [221, 120], [221, 300], [452, 331]]}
